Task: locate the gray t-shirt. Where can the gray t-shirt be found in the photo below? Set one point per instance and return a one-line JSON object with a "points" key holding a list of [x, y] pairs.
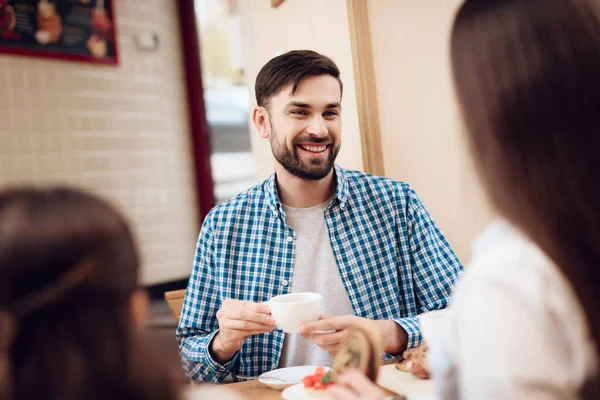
{"points": [[315, 270]]}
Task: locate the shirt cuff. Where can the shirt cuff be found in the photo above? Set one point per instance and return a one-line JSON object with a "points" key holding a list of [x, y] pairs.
{"points": [[215, 369], [413, 329]]}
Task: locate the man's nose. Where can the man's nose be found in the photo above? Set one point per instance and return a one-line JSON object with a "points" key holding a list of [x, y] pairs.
{"points": [[317, 127]]}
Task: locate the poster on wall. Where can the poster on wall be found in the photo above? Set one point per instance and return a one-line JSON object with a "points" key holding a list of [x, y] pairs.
{"points": [[79, 30]]}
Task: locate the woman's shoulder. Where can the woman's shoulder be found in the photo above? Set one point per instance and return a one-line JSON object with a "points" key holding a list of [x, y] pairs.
{"points": [[504, 258], [512, 281], [511, 277]]}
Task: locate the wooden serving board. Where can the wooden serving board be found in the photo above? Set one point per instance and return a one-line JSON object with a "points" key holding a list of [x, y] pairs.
{"points": [[404, 383]]}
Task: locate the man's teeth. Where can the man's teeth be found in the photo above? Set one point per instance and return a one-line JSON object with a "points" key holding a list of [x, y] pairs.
{"points": [[314, 149]]}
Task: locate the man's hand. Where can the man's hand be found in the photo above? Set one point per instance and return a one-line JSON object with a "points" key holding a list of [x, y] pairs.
{"points": [[352, 385], [392, 336], [238, 320]]}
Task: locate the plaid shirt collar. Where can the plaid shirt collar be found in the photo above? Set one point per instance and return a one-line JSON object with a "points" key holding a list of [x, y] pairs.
{"points": [[341, 191]]}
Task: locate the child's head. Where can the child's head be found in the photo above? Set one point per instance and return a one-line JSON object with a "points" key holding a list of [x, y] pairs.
{"points": [[69, 302]]}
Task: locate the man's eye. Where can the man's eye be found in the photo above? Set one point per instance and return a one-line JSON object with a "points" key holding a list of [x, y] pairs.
{"points": [[331, 113], [299, 112]]}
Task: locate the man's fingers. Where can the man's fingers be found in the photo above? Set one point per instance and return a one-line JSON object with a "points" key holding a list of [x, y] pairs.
{"points": [[258, 331], [232, 304], [240, 325], [245, 314], [232, 335], [327, 323], [259, 308], [326, 339], [334, 348]]}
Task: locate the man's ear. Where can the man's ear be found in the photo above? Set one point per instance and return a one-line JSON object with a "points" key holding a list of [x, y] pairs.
{"points": [[260, 117]]}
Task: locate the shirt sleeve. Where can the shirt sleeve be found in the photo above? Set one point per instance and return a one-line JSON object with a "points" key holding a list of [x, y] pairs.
{"points": [[198, 322], [435, 267]]}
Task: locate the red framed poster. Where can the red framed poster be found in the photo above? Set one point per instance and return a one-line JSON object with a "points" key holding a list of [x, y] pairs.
{"points": [[78, 30]]}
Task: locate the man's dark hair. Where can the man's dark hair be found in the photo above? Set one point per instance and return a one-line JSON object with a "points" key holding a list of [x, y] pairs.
{"points": [[291, 67]]}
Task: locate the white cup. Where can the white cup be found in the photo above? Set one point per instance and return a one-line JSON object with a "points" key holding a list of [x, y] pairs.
{"points": [[290, 311]]}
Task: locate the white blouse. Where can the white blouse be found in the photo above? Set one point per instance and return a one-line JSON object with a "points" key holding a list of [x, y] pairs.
{"points": [[514, 329]]}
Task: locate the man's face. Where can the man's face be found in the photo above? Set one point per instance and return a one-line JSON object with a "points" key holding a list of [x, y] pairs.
{"points": [[306, 126]]}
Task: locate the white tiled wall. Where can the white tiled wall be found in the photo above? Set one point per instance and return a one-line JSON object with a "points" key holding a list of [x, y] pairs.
{"points": [[120, 131]]}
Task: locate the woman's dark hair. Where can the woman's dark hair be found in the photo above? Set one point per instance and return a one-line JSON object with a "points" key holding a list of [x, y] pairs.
{"points": [[527, 75], [68, 268]]}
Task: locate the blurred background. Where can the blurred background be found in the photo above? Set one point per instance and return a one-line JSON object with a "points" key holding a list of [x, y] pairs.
{"points": [[165, 132]]}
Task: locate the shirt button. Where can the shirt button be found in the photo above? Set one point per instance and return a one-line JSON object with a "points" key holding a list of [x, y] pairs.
{"points": [[285, 282], [290, 239], [275, 214]]}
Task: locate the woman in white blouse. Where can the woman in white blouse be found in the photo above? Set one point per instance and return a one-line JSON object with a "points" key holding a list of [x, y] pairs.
{"points": [[524, 322]]}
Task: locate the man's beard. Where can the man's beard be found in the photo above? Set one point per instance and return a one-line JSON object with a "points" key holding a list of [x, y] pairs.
{"points": [[316, 169]]}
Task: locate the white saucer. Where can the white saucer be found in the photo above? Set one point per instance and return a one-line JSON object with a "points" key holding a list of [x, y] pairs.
{"points": [[287, 377]]}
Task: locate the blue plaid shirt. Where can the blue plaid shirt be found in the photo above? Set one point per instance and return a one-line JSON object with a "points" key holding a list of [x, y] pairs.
{"points": [[394, 262]]}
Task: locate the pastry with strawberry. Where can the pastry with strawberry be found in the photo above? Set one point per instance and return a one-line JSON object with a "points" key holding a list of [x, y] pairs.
{"points": [[316, 385]]}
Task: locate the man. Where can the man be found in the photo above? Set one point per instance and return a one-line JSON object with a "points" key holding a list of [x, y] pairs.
{"points": [[366, 243]]}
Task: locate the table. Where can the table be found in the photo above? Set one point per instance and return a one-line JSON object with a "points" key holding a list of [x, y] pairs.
{"points": [[389, 378], [254, 390]]}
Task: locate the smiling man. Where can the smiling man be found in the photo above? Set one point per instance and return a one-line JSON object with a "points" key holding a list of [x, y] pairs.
{"points": [[366, 243]]}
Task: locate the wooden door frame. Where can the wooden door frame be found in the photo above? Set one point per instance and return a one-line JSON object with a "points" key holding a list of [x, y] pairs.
{"points": [[196, 110], [364, 81]]}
